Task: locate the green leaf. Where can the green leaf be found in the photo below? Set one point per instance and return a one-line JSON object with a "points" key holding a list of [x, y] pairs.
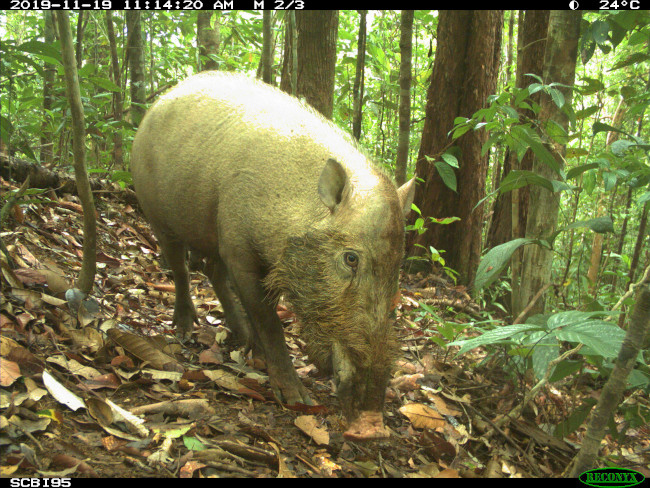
{"points": [[564, 369], [104, 83], [600, 31], [609, 179], [557, 96], [519, 178], [592, 86], [578, 170], [461, 130], [542, 154], [576, 152], [192, 443], [600, 225], [450, 159], [444, 221], [537, 77], [604, 338], [546, 350], [496, 260], [635, 58], [586, 112], [575, 420], [601, 127], [447, 174], [493, 336], [572, 317], [42, 50], [620, 147]]}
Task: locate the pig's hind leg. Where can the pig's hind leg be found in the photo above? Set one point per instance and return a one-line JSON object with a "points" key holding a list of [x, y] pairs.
{"points": [[184, 312]]}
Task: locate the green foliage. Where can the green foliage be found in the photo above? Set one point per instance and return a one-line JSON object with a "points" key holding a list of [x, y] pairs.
{"points": [[431, 254], [537, 342]]}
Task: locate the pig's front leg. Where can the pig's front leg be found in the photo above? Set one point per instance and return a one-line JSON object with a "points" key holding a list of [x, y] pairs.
{"points": [[284, 380]]}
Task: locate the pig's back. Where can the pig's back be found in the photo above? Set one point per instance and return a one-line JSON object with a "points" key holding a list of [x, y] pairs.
{"points": [[223, 154]]}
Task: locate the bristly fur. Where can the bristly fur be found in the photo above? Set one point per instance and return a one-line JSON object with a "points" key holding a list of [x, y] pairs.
{"points": [[328, 309]]}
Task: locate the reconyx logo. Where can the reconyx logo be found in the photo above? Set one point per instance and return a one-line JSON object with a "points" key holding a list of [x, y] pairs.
{"points": [[606, 477]]}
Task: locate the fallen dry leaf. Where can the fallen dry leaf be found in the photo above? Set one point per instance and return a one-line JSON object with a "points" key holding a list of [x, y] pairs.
{"points": [[422, 416], [310, 425]]}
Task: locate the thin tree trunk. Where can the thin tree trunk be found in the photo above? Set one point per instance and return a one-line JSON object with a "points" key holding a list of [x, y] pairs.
{"points": [[405, 77], [208, 40], [87, 273], [117, 96], [49, 74], [357, 90], [136, 66], [267, 46]]}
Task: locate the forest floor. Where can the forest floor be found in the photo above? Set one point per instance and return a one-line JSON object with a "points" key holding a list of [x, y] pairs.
{"points": [[204, 410]]}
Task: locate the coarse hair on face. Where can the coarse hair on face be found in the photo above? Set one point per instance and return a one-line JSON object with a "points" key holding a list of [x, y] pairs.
{"points": [[331, 302]]}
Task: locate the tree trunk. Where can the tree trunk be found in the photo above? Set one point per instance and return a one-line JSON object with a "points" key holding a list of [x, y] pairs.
{"points": [[405, 77], [316, 53], [136, 66], [87, 273], [49, 74], [208, 40], [267, 46], [464, 74], [80, 37], [638, 332], [357, 90], [511, 208], [559, 66], [118, 159]]}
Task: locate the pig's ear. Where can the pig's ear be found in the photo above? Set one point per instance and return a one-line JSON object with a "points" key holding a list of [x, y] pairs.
{"points": [[331, 183], [406, 192]]}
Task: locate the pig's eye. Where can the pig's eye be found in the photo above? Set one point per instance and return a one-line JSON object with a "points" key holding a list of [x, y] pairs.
{"points": [[351, 259]]}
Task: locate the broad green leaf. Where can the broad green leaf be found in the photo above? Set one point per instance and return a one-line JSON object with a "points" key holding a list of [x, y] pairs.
{"points": [[600, 31], [518, 178], [602, 127], [42, 50], [565, 368], [635, 58], [493, 336], [604, 338], [575, 420], [584, 113], [192, 443], [572, 317], [105, 83], [600, 225], [538, 148], [450, 159], [593, 85], [447, 174], [573, 172], [557, 96], [444, 221], [620, 147], [609, 179], [545, 350], [496, 260]]}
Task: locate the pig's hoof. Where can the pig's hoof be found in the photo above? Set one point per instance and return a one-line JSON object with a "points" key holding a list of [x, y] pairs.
{"points": [[292, 396], [367, 426]]}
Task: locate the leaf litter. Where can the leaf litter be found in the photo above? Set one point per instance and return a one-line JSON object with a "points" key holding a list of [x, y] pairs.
{"points": [[99, 387]]}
